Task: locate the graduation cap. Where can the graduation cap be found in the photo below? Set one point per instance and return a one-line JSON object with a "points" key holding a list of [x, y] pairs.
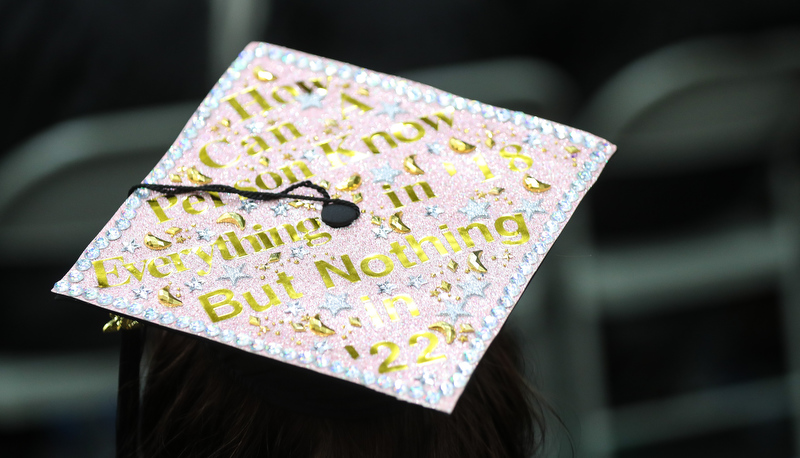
{"points": [[348, 222]]}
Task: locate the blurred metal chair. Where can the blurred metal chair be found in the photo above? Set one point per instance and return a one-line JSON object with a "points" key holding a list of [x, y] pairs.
{"points": [[517, 83], [58, 189], [690, 107]]}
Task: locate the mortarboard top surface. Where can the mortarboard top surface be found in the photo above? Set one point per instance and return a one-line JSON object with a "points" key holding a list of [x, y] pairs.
{"points": [[459, 200]]}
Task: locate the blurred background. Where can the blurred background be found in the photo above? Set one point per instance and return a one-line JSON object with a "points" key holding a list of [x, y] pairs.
{"points": [[666, 319]]}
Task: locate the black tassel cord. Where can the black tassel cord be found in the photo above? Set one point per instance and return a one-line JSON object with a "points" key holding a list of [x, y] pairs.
{"points": [[335, 212]]}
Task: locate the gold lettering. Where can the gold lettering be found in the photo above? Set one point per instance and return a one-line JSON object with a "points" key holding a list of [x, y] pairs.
{"points": [[397, 250], [397, 131], [286, 282], [484, 167], [351, 275], [263, 237], [159, 210], [286, 169], [216, 199], [152, 267], [333, 155], [223, 248], [293, 92], [522, 229], [206, 159], [208, 258], [388, 304], [388, 265], [238, 185], [367, 139], [240, 108], [514, 156], [237, 245], [276, 131], [316, 82], [138, 274], [176, 260], [425, 187], [464, 233], [371, 312], [354, 104], [450, 238], [211, 308], [417, 246], [441, 115], [275, 177], [258, 145], [271, 298], [102, 274], [189, 208], [253, 242], [308, 234], [393, 196]]}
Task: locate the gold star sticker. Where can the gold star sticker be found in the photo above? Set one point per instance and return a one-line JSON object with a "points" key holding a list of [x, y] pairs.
{"points": [[463, 338], [288, 157]]}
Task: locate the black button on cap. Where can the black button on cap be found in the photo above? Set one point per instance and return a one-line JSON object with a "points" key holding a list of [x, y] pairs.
{"points": [[338, 215]]}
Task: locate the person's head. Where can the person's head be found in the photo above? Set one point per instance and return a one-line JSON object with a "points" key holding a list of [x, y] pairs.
{"points": [[201, 399]]}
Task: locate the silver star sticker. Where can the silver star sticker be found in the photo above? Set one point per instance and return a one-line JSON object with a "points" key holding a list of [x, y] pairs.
{"points": [[321, 346], [248, 205], [205, 234], [281, 209], [255, 127], [142, 292], [313, 100], [529, 208], [417, 281], [299, 252], [381, 232], [194, 285], [533, 140], [435, 148], [309, 155], [294, 308], [384, 174], [335, 304], [386, 288], [131, 246], [453, 310], [473, 288], [390, 109], [234, 274], [433, 211], [475, 210]]}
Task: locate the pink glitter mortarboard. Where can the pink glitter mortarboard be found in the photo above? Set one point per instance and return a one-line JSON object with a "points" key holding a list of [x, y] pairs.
{"points": [[459, 203]]}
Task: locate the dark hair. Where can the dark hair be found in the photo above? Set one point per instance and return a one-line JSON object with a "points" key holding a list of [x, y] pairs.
{"points": [[193, 406]]}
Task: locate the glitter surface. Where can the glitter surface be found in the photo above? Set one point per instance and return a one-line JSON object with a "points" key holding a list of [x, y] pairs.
{"points": [[279, 116]]}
